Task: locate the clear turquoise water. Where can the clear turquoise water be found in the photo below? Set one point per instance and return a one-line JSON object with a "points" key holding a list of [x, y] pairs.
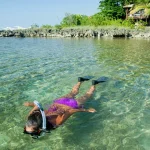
{"points": [[44, 69]]}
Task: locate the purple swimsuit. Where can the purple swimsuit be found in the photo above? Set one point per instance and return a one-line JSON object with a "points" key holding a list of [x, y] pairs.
{"points": [[67, 101]]}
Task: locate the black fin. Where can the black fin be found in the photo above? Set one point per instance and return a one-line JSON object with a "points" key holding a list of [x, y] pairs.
{"points": [[85, 78], [99, 80]]}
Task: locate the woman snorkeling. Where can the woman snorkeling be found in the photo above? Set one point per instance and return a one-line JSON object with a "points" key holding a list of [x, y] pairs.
{"points": [[40, 121]]}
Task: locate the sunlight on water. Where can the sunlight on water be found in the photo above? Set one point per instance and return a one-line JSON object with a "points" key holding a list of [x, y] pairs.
{"points": [[45, 69]]}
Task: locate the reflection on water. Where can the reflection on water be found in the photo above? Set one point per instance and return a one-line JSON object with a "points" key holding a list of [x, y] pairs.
{"points": [[128, 62], [44, 69]]}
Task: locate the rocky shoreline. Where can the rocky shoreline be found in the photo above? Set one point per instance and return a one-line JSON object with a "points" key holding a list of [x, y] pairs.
{"points": [[71, 32]]}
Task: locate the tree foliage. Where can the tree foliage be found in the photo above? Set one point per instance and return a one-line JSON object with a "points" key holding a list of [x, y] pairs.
{"points": [[74, 20], [97, 19], [141, 1], [101, 20], [126, 2], [46, 26], [112, 8], [34, 26]]}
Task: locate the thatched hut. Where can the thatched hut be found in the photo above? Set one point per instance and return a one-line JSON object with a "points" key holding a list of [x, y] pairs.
{"points": [[138, 12]]}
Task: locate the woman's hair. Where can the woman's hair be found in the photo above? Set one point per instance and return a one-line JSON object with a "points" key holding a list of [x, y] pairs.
{"points": [[35, 120]]}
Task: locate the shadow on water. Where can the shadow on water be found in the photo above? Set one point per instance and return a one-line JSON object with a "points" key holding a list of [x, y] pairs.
{"points": [[83, 126]]}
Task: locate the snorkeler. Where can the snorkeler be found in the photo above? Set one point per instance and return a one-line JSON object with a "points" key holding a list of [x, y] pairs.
{"points": [[40, 121]]}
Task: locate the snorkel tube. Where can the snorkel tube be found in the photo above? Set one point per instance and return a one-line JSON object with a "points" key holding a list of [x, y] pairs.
{"points": [[43, 114], [43, 117]]}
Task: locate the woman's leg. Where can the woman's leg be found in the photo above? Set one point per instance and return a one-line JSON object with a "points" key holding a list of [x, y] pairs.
{"points": [[86, 96], [74, 91]]}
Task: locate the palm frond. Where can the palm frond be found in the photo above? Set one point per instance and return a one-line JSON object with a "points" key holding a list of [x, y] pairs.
{"points": [[146, 8]]}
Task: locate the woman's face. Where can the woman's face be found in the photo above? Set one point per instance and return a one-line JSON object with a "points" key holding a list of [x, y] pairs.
{"points": [[30, 129]]}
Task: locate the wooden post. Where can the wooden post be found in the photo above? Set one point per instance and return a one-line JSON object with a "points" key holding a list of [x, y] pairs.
{"points": [[127, 11]]}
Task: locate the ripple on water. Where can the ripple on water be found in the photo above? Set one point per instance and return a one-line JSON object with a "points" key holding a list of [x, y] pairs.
{"points": [[45, 69]]}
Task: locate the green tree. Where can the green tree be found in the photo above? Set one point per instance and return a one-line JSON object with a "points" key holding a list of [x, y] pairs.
{"points": [[84, 20], [136, 1], [142, 1], [46, 26], [34, 26], [71, 20], [74, 20], [130, 2], [112, 8], [57, 26], [99, 20]]}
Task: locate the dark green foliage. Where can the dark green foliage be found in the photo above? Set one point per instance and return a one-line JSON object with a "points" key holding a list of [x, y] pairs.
{"points": [[112, 8], [126, 2], [141, 1], [136, 2]]}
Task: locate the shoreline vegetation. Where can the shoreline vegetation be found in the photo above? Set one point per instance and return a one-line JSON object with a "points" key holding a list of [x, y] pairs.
{"points": [[116, 18], [81, 32]]}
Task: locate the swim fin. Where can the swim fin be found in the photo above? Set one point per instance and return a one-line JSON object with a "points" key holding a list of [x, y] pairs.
{"points": [[99, 80], [85, 78]]}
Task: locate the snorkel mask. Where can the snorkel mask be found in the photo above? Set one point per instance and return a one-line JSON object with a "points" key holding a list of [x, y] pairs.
{"points": [[41, 132]]}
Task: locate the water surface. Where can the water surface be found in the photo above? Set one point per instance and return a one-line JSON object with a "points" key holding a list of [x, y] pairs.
{"points": [[45, 69]]}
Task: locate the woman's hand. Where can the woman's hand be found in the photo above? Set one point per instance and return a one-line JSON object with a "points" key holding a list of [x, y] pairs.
{"points": [[29, 104], [92, 110], [26, 104]]}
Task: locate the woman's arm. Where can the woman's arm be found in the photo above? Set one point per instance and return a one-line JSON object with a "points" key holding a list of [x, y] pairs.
{"points": [[55, 113], [72, 111], [62, 109], [62, 118], [31, 104]]}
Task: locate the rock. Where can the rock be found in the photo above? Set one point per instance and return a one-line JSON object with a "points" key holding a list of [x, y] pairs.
{"points": [[103, 32]]}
